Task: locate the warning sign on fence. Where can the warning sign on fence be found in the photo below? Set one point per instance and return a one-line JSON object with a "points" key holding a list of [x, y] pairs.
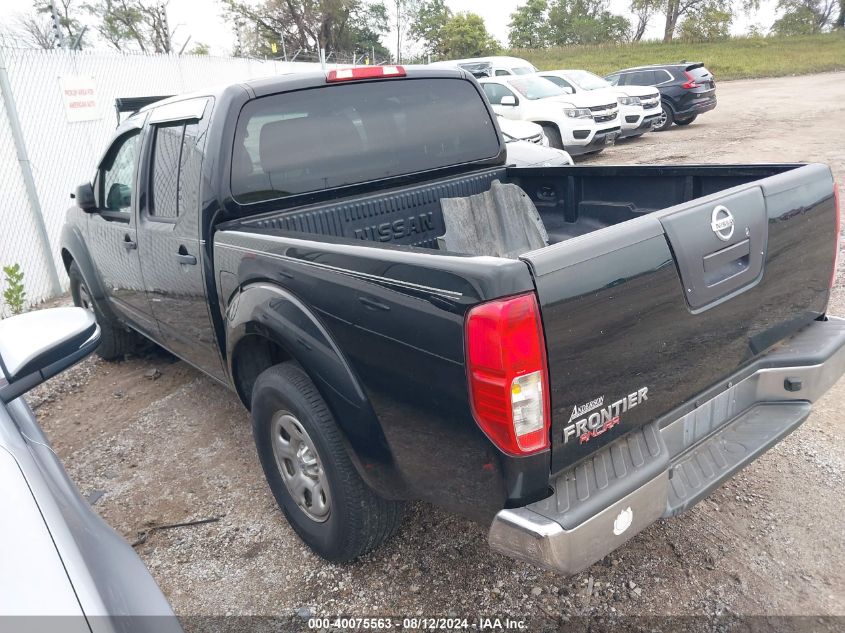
{"points": [[80, 98]]}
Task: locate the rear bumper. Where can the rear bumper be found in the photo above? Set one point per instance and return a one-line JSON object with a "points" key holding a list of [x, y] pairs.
{"points": [[664, 468], [698, 108]]}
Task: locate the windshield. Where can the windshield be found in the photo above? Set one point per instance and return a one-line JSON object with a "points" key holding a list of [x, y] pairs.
{"points": [[523, 70], [536, 88], [587, 80]]}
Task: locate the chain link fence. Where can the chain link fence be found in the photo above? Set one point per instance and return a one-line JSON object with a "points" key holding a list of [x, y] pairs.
{"points": [[44, 155]]}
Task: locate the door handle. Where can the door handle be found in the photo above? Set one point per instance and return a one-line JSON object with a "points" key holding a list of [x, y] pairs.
{"points": [[128, 243], [372, 304], [184, 257]]}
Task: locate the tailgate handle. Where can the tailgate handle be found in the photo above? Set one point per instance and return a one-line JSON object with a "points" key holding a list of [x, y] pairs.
{"points": [[726, 263]]}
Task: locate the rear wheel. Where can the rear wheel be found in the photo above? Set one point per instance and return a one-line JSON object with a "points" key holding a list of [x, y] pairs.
{"points": [[115, 340], [553, 134], [686, 121], [665, 120], [309, 472]]}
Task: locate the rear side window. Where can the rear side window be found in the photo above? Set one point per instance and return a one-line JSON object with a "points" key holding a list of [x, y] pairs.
{"points": [[327, 137], [175, 172]]}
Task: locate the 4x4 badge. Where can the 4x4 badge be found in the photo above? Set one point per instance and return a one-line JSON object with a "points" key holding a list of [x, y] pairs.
{"points": [[722, 223]]}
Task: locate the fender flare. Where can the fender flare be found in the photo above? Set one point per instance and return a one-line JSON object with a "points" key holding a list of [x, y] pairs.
{"points": [[73, 243], [268, 310]]}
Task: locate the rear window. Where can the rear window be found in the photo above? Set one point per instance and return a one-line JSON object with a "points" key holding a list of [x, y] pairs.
{"points": [[327, 137], [699, 72]]}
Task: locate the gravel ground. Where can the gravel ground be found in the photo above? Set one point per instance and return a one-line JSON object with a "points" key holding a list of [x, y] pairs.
{"points": [[152, 448]]}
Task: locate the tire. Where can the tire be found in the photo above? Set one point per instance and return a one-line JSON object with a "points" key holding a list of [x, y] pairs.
{"points": [[553, 134], [686, 121], [666, 120], [115, 339], [345, 517]]}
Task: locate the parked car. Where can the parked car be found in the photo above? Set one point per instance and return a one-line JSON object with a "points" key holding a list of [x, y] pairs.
{"points": [[407, 317], [493, 66], [528, 145], [579, 124], [59, 557], [687, 89], [639, 106]]}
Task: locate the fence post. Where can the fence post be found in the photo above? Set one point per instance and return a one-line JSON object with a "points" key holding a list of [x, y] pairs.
{"points": [[26, 171]]}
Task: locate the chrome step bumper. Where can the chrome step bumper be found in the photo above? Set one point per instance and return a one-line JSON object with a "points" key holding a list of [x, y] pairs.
{"points": [[666, 467]]}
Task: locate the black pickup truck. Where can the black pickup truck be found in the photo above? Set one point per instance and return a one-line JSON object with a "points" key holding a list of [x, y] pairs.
{"points": [[566, 354]]}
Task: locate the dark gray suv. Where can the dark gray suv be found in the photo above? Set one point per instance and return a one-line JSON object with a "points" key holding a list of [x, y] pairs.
{"points": [[687, 89]]}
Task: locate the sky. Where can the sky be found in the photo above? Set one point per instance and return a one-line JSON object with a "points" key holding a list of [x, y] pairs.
{"points": [[201, 19]]}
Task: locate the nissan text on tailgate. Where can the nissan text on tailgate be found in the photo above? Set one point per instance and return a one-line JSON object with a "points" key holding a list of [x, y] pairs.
{"points": [[566, 354]]}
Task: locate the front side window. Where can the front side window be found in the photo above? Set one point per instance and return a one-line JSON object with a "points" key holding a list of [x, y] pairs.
{"points": [[495, 93], [343, 134], [117, 174]]}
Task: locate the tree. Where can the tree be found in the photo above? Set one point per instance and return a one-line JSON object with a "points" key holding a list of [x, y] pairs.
{"points": [[36, 31], [643, 11], [706, 23], [428, 23], [840, 21], [585, 22], [68, 21], [528, 27], [200, 48], [334, 25], [465, 35], [133, 24], [803, 17]]}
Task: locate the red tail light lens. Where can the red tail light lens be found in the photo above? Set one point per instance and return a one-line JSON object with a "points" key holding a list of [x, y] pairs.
{"points": [[364, 72], [690, 84], [508, 376], [838, 211]]}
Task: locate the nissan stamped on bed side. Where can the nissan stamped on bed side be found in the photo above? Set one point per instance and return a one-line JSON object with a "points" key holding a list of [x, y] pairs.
{"points": [[566, 354]]}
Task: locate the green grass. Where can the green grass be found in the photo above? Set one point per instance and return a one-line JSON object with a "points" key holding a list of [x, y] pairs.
{"points": [[735, 58]]}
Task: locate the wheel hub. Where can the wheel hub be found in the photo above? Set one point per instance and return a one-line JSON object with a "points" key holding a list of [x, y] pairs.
{"points": [[300, 466]]}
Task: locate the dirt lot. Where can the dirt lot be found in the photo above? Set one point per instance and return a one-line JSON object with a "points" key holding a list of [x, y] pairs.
{"points": [[176, 448]]}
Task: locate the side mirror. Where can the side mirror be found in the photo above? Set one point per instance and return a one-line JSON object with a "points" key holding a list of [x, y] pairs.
{"points": [[85, 198], [508, 100], [38, 345]]}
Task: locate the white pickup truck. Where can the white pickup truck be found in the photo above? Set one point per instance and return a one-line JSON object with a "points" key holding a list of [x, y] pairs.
{"points": [[639, 105], [579, 123]]}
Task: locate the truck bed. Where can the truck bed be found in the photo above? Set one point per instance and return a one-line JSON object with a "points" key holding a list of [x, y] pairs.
{"points": [[626, 310], [572, 201]]}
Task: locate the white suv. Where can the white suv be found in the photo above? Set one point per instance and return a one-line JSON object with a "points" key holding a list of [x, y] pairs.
{"points": [[639, 105], [578, 123]]}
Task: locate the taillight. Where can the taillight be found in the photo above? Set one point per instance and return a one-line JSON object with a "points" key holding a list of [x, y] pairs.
{"points": [[508, 377], [691, 83], [364, 72], [837, 211]]}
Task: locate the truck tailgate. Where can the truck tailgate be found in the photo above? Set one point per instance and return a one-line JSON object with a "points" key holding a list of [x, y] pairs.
{"points": [[642, 316]]}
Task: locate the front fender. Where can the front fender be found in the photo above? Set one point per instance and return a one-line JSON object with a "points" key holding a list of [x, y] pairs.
{"points": [[267, 310], [72, 241]]}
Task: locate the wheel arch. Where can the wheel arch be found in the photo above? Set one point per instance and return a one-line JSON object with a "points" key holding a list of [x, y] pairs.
{"points": [[267, 325], [74, 250]]}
